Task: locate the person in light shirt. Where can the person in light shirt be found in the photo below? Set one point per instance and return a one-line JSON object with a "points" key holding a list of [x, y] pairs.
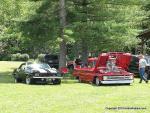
{"points": [[142, 66], [111, 64]]}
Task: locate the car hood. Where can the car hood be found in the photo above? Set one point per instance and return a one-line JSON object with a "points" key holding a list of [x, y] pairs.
{"points": [[43, 70], [118, 72]]}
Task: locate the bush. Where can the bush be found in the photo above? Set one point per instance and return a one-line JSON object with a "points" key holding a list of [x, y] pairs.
{"points": [[5, 57], [41, 58], [19, 57], [15, 57], [25, 57]]}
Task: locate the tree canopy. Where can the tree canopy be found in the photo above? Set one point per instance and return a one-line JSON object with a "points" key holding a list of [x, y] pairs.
{"points": [[38, 26]]}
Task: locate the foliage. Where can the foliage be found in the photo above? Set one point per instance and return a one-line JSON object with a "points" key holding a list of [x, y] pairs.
{"points": [[5, 57], [19, 57], [109, 25], [33, 26], [41, 57], [146, 22], [146, 26], [41, 28]]}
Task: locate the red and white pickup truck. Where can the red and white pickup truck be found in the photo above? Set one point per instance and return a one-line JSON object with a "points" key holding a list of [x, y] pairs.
{"points": [[98, 72]]}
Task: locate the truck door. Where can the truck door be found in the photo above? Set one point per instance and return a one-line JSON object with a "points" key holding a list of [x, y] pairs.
{"points": [[90, 70]]}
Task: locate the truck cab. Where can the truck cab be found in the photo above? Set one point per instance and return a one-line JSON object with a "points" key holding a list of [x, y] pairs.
{"points": [[98, 72]]}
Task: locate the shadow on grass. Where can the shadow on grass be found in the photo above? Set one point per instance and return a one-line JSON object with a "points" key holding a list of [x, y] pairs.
{"points": [[69, 81], [104, 85], [6, 77], [112, 85], [73, 81]]}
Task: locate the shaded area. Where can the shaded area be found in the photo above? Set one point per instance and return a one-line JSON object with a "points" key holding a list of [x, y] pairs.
{"points": [[144, 37], [6, 77], [69, 81]]}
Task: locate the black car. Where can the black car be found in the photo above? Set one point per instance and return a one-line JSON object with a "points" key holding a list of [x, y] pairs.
{"points": [[52, 60], [36, 72], [134, 65], [147, 69]]}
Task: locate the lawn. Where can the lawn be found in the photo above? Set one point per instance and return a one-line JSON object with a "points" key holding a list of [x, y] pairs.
{"points": [[70, 96]]}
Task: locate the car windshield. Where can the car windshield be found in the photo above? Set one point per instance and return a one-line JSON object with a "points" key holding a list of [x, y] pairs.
{"points": [[40, 66], [92, 64]]}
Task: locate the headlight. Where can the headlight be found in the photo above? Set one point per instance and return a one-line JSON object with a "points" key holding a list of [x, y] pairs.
{"points": [[131, 77], [105, 77], [37, 74], [57, 74], [128, 77]]}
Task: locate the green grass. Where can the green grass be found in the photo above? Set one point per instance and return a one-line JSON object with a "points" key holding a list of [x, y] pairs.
{"points": [[69, 97]]}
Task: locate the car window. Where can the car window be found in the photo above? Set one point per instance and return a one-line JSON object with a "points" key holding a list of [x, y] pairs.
{"points": [[28, 68], [91, 64], [44, 66], [22, 66]]}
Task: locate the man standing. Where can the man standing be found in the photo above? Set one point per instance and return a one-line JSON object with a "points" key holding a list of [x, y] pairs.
{"points": [[111, 64], [142, 65]]}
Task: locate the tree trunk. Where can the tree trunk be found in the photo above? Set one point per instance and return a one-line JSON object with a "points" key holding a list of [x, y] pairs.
{"points": [[76, 50], [84, 41], [84, 52], [62, 16]]}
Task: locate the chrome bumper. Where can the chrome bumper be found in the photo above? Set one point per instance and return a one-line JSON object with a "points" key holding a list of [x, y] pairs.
{"points": [[48, 77], [117, 82]]}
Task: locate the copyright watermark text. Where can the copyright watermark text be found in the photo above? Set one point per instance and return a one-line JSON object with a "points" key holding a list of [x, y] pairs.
{"points": [[126, 108]]}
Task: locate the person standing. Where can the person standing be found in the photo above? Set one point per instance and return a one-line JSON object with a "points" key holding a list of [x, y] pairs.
{"points": [[111, 64], [142, 66]]}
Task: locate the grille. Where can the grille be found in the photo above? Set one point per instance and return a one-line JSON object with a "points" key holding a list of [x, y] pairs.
{"points": [[118, 77], [45, 74]]}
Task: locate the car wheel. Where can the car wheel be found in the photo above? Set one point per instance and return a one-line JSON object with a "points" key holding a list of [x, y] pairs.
{"points": [[17, 80], [29, 80], [97, 81], [57, 81]]}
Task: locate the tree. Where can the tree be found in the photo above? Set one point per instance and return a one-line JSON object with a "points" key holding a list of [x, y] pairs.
{"points": [[144, 45], [107, 25], [62, 16], [41, 27], [9, 34]]}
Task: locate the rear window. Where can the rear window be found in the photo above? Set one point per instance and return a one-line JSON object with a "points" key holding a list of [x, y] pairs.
{"points": [[51, 57]]}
